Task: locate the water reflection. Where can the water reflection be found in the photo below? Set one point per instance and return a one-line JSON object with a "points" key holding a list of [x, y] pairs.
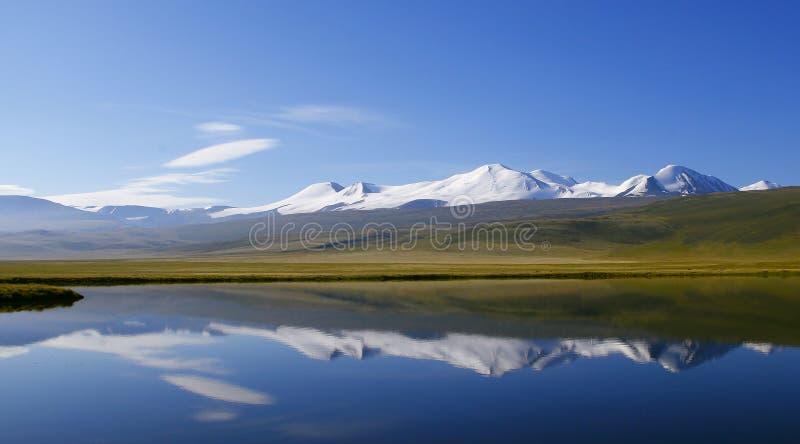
{"points": [[485, 355], [298, 372], [149, 349], [482, 354]]}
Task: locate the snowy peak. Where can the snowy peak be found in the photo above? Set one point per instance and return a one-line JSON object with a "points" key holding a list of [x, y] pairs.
{"points": [[359, 189], [760, 185], [553, 178], [682, 180], [641, 186], [319, 189], [495, 179]]}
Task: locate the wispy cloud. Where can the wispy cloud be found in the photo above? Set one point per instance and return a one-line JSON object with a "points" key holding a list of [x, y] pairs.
{"points": [[14, 190], [218, 128], [329, 121], [330, 115], [223, 152], [154, 191]]}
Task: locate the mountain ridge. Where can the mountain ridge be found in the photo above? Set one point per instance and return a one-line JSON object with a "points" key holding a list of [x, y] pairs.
{"points": [[487, 183]]}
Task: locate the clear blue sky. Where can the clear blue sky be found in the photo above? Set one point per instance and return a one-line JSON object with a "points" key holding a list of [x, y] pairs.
{"points": [[95, 96]]}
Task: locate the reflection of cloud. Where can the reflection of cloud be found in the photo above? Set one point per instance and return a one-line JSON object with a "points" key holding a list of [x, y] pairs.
{"points": [[145, 349], [134, 323], [483, 354], [762, 348], [149, 350], [219, 390], [10, 352], [215, 416]]}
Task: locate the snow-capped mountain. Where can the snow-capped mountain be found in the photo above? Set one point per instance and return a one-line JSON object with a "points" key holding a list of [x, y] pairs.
{"points": [[682, 180], [553, 179], [488, 183], [760, 185], [484, 184]]}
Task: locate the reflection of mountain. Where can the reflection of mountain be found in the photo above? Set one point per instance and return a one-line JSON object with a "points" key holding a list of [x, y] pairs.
{"points": [[153, 344], [483, 354]]}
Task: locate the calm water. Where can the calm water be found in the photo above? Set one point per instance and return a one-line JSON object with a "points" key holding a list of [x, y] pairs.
{"points": [[288, 364]]}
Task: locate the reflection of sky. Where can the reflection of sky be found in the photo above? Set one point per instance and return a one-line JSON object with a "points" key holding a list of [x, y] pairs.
{"points": [[161, 350], [282, 378]]}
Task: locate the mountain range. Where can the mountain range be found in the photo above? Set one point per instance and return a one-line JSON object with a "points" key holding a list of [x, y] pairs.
{"points": [[488, 183]]}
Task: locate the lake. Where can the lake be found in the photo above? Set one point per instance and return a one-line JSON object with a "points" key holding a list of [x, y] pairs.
{"points": [[647, 360]]}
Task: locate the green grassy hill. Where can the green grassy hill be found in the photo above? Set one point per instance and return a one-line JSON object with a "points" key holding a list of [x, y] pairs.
{"points": [[758, 225], [751, 226]]}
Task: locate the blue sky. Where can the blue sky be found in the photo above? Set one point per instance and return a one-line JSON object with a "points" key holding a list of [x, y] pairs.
{"points": [[108, 96]]}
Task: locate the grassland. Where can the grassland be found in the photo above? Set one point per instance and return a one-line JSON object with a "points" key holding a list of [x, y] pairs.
{"points": [[121, 272]]}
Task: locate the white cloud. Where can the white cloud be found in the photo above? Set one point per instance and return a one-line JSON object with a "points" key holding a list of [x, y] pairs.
{"points": [[219, 390], [222, 153], [331, 115], [218, 128], [152, 191], [14, 190]]}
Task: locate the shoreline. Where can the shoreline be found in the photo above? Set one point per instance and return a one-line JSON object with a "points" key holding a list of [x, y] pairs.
{"points": [[111, 280]]}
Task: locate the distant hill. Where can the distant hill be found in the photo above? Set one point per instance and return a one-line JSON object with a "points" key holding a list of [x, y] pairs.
{"points": [[23, 213]]}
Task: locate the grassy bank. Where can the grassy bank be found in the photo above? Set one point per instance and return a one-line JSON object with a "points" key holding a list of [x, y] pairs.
{"points": [[127, 272], [15, 297]]}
